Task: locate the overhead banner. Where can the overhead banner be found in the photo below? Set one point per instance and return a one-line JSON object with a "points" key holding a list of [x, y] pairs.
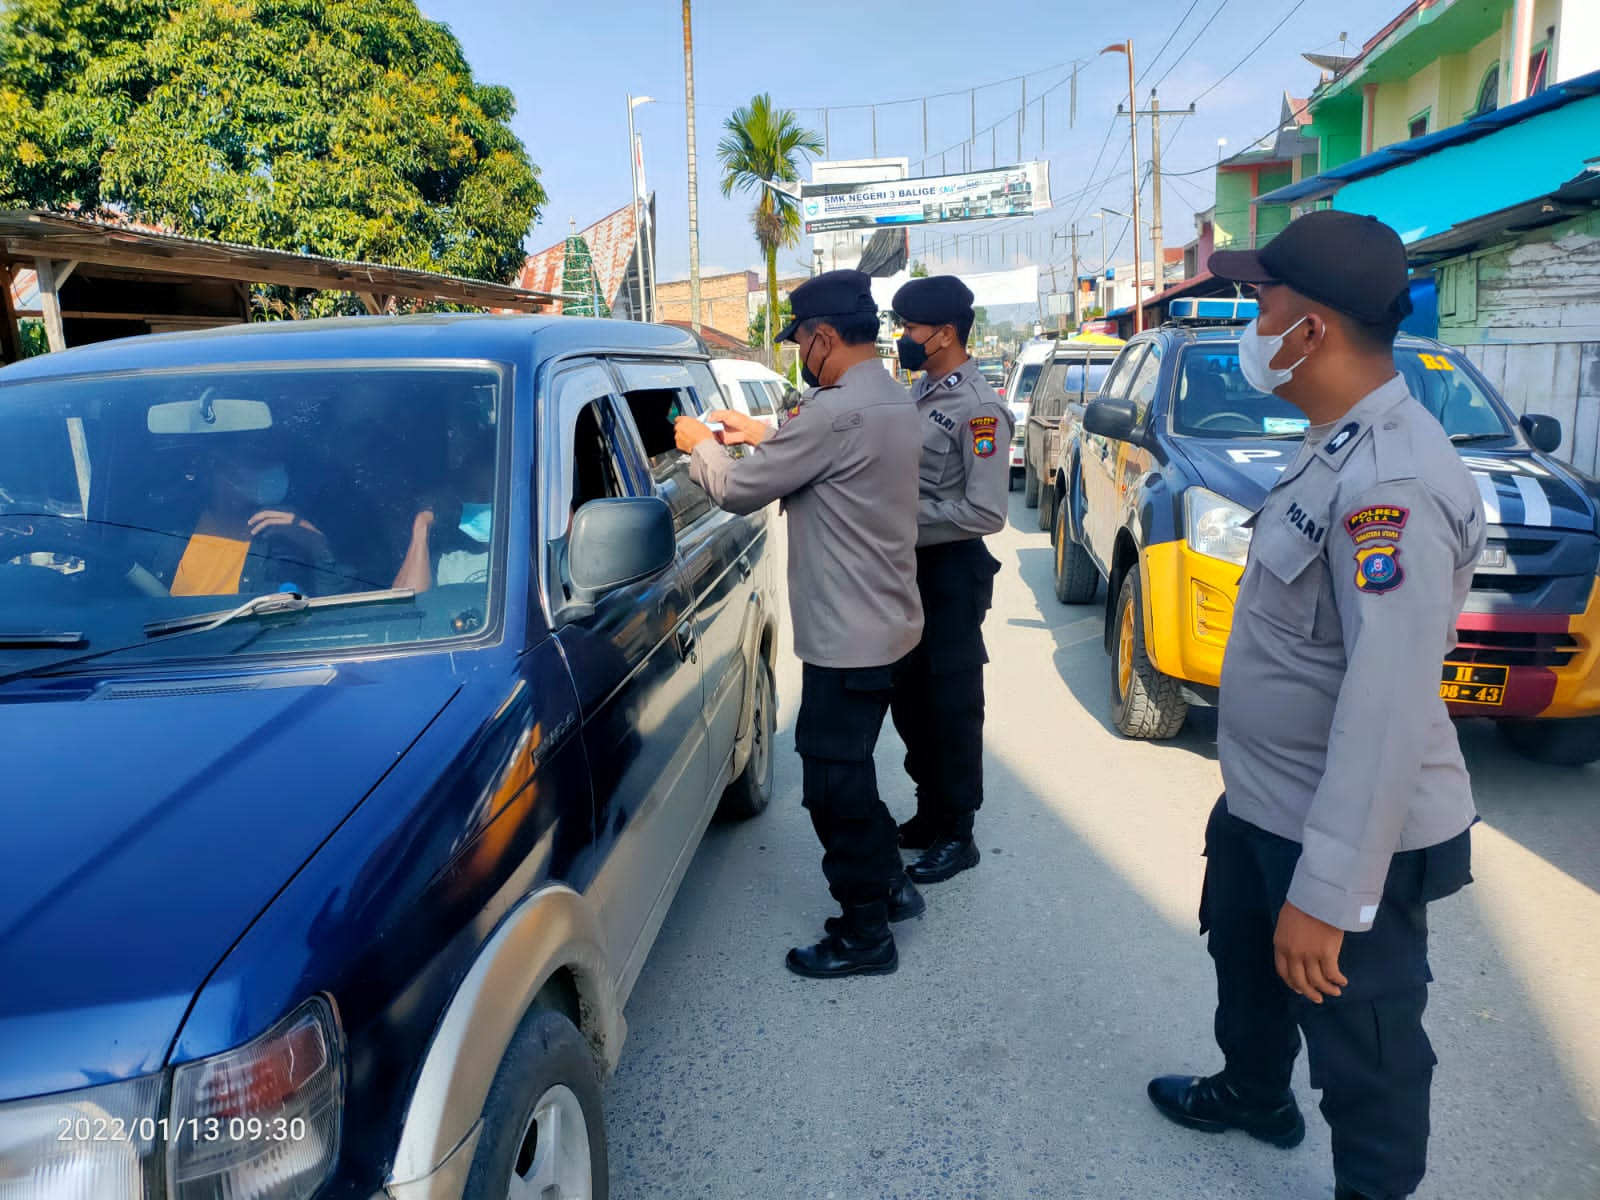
{"points": [[1019, 191]]}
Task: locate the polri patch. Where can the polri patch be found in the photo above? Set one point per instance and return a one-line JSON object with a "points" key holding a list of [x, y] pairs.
{"points": [[948, 424], [1377, 522], [1338, 441], [983, 435], [1305, 523], [1378, 569]]}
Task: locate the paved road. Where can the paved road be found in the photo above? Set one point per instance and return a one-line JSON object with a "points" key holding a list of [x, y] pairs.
{"points": [[1008, 1056]]}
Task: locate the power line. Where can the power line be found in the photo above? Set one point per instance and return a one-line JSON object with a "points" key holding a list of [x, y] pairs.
{"points": [[1194, 4], [1298, 6], [977, 87], [1209, 22]]}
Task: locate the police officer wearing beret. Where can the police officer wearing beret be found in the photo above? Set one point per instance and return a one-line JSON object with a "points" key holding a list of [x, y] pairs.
{"points": [[844, 465], [963, 483], [1347, 804]]}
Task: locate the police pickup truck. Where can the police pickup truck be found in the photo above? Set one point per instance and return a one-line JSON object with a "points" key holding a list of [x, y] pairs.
{"points": [[1159, 474]]}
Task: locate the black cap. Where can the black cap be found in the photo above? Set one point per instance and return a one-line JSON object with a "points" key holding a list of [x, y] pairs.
{"points": [[1351, 263], [831, 294], [936, 300]]}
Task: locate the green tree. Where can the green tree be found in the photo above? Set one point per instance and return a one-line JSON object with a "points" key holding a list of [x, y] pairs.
{"points": [[758, 323], [350, 129], [761, 145], [919, 270]]}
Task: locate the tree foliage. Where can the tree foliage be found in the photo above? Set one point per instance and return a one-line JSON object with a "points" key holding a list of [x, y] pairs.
{"points": [[348, 128], [762, 144], [758, 323]]}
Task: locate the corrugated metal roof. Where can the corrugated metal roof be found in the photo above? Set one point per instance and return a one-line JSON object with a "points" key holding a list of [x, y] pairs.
{"points": [[611, 242]]}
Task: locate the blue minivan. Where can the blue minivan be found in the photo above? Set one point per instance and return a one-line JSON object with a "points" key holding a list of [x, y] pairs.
{"points": [[366, 687]]}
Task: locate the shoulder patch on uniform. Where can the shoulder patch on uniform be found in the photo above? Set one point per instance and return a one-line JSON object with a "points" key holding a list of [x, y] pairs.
{"points": [[948, 424], [1378, 569], [850, 420], [1338, 441], [983, 431], [952, 379], [1377, 522]]}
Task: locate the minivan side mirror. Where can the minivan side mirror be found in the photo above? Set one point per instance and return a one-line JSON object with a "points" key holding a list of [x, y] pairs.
{"points": [[616, 542], [1544, 432], [1114, 419]]}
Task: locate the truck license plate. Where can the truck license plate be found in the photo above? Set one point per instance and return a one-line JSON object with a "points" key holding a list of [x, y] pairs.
{"points": [[1469, 683]]}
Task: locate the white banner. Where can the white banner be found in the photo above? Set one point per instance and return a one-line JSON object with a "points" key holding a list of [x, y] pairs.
{"points": [[1019, 191]]}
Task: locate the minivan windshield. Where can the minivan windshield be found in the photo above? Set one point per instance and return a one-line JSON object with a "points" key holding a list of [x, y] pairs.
{"points": [[1214, 401], [132, 501]]}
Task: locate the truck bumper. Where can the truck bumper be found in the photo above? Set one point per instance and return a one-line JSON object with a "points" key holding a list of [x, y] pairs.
{"points": [[1551, 661], [1188, 601]]}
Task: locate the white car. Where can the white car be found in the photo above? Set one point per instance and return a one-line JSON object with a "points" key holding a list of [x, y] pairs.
{"points": [[753, 389], [1019, 391]]}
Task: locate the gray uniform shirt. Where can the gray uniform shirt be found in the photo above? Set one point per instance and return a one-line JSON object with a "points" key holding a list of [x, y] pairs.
{"points": [[1331, 729], [845, 466], [966, 469]]}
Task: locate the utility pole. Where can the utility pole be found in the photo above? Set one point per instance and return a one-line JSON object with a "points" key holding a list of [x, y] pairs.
{"points": [[1154, 113], [1126, 48], [694, 180], [1077, 292]]}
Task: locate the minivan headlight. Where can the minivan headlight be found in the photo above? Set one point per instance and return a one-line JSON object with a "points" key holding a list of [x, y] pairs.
{"points": [[260, 1122], [1216, 526], [99, 1143]]}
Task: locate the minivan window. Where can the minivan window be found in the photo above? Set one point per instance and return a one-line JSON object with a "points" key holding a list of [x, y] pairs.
{"points": [[656, 394], [142, 497], [757, 399]]}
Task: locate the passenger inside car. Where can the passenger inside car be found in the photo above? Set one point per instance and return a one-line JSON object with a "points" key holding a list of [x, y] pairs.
{"points": [[246, 528], [450, 535]]}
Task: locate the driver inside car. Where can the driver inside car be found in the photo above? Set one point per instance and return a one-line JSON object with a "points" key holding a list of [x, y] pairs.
{"points": [[247, 539]]}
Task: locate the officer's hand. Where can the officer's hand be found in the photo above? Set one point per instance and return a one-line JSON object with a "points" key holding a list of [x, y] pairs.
{"points": [[689, 433], [738, 429], [1307, 953]]}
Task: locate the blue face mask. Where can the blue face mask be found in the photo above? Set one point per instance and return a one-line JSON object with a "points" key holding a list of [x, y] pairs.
{"points": [[264, 486], [475, 521]]}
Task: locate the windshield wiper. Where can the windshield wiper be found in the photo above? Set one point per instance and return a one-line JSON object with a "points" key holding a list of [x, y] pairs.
{"points": [[26, 639], [268, 605], [1461, 439]]}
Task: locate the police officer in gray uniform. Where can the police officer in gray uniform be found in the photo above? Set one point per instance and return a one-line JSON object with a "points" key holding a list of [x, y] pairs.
{"points": [[963, 483], [844, 465], [1347, 804]]}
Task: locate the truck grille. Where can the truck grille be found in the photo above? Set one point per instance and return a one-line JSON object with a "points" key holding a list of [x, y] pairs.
{"points": [[1501, 649]]}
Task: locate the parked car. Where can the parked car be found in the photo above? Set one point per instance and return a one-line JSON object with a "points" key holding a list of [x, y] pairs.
{"points": [[1159, 475], [1078, 365], [754, 390], [994, 374], [317, 884], [1019, 392]]}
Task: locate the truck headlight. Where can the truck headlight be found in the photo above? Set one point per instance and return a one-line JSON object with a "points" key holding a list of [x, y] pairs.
{"points": [[261, 1121], [99, 1143], [1216, 526]]}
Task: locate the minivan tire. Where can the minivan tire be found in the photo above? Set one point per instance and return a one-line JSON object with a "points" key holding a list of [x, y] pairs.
{"points": [[1573, 742], [749, 795], [1047, 505], [1030, 485], [1074, 574], [543, 1117], [1144, 702]]}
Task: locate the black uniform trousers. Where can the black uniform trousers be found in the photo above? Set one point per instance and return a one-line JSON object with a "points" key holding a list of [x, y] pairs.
{"points": [[938, 687], [841, 715], [1367, 1049]]}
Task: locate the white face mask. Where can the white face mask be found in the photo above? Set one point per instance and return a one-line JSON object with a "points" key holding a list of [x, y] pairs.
{"points": [[1256, 352]]}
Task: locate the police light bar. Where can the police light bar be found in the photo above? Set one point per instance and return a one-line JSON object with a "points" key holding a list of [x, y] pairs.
{"points": [[1222, 310]]}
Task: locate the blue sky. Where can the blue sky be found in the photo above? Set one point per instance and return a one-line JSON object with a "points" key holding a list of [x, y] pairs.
{"points": [[571, 66]]}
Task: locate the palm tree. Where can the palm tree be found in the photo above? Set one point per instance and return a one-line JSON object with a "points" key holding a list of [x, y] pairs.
{"points": [[763, 145]]}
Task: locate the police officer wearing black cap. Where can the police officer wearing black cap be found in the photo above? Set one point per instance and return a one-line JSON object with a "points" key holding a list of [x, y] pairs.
{"points": [[1347, 803], [963, 482], [844, 464]]}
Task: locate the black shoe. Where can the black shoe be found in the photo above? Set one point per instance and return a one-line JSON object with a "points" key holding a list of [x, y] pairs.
{"points": [[1344, 1191], [919, 833], [905, 902], [1212, 1106], [864, 947], [946, 857]]}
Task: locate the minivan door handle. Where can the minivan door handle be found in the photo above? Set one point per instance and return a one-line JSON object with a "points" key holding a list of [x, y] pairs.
{"points": [[744, 567], [685, 638]]}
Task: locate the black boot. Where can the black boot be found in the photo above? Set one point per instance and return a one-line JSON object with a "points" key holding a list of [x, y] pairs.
{"points": [[1212, 1106], [919, 833], [864, 947], [905, 902], [947, 857]]}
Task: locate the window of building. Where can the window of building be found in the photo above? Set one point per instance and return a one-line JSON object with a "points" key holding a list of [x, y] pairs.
{"points": [[1488, 92], [1418, 125], [1538, 69]]}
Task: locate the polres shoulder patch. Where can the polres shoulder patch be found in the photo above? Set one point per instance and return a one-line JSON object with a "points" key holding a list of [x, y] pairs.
{"points": [[1377, 522], [983, 435], [1378, 569]]}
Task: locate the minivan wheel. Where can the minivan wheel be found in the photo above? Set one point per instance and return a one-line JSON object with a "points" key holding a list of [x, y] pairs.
{"points": [[749, 795], [1573, 742], [1047, 505], [544, 1134], [1076, 579], [1144, 702], [1030, 486]]}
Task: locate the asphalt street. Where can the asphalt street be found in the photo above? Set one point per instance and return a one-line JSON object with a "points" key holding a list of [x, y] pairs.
{"points": [[1008, 1056]]}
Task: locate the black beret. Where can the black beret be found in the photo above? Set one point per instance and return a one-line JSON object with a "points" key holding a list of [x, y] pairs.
{"points": [[936, 300], [831, 294]]}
